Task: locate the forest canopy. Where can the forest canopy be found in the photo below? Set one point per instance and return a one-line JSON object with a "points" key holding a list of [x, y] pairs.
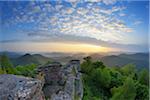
{"points": [[115, 83]]}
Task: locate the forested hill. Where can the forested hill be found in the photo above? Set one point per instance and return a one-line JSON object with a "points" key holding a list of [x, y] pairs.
{"points": [[30, 59], [140, 60]]}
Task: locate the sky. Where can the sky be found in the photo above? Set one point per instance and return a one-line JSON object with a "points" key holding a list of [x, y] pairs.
{"points": [[74, 26]]}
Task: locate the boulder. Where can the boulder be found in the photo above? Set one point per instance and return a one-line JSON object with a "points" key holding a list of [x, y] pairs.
{"points": [[14, 87]]}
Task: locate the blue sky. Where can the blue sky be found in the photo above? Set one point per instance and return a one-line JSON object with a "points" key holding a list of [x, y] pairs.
{"points": [[114, 25]]}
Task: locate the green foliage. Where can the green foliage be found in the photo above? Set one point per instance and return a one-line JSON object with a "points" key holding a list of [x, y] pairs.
{"points": [[88, 66], [5, 63], [102, 77], [2, 71], [11, 70], [116, 83], [129, 70], [98, 64], [141, 91], [28, 70], [125, 92], [87, 59], [116, 78], [90, 91], [7, 68], [144, 77], [96, 78]]}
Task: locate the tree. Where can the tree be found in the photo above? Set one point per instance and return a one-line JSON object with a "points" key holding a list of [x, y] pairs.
{"points": [[28, 70], [129, 70], [125, 92], [102, 77], [98, 64], [5, 63], [144, 77], [86, 65], [88, 58], [142, 92], [1, 71], [116, 78]]}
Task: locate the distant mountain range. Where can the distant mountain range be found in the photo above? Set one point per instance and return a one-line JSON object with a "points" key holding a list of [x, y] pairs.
{"points": [[140, 60], [29, 59], [11, 54]]}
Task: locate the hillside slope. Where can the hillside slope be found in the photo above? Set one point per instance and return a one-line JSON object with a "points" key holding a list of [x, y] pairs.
{"points": [[29, 59], [140, 60]]}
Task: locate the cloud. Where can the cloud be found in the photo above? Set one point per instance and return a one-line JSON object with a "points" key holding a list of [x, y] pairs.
{"points": [[122, 14], [108, 11], [87, 20], [106, 2], [73, 2], [58, 7], [93, 0], [138, 22], [90, 22], [36, 9], [109, 2]]}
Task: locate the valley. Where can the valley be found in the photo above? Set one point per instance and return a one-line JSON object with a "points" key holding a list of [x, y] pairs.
{"points": [[140, 60]]}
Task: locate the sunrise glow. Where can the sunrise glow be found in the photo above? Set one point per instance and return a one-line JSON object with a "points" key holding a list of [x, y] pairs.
{"points": [[56, 47]]}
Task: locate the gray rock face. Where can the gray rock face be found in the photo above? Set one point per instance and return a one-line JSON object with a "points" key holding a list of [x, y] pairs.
{"points": [[74, 81], [61, 96], [14, 87], [62, 82]]}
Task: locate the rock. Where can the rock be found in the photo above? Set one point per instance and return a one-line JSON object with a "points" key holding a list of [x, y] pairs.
{"points": [[62, 82], [14, 87], [61, 96]]}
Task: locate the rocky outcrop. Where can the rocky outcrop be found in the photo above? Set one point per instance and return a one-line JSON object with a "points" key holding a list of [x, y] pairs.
{"points": [[73, 84], [14, 87], [54, 82], [62, 82]]}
